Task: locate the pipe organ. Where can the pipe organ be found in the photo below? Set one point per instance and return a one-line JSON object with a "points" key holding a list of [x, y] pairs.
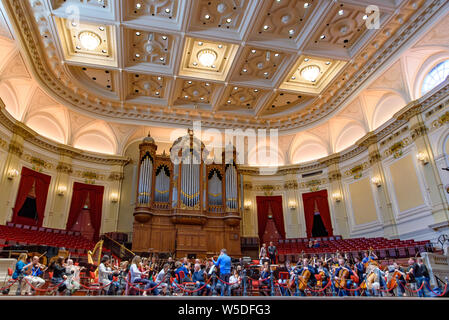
{"points": [[186, 205]]}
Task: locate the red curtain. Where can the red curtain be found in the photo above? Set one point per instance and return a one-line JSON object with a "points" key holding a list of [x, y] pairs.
{"points": [[309, 199], [79, 196], [263, 203], [42, 182]]}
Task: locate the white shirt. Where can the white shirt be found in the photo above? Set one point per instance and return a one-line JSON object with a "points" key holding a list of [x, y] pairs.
{"points": [[135, 272], [103, 273]]}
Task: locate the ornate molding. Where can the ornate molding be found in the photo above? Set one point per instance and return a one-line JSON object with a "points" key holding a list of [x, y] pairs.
{"points": [[64, 168], [116, 176], [15, 149], [334, 175], [291, 185]]}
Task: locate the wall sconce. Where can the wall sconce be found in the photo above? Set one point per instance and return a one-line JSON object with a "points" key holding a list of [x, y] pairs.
{"points": [[62, 190], [336, 196], [114, 197], [12, 173], [247, 205], [422, 156], [292, 205], [376, 181]]}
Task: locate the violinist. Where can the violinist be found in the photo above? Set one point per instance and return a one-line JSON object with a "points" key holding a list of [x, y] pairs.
{"points": [[163, 277], [34, 271], [136, 276], [181, 273], [105, 275], [73, 276]]}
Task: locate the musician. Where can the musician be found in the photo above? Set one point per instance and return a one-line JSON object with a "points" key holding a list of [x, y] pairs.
{"points": [[342, 273], [409, 275], [272, 252], [224, 263], [105, 276], [368, 257], [163, 277], [421, 275], [401, 282], [264, 280], [136, 276], [34, 271], [235, 280], [322, 274], [359, 268], [181, 273], [59, 275], [306, 275], [73, 276], [264, 259], [263, 251], [199, 277], [18, 274]]}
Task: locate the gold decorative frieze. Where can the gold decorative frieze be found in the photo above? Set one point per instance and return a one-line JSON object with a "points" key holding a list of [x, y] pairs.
{"points": [[64, 168], [357, 170], [116, 176], [418, 130], [396, 148], [334, 176], [291, 185], [247, 186], [313, 185], [374, 157]]}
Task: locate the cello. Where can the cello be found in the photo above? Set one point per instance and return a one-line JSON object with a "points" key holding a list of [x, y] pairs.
{"points": [[304, 279]]}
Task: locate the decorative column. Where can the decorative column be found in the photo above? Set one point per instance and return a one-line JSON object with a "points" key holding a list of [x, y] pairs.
{"points": [[339, 208], [383, 195], [10, 177], [62, 192], [435, 187]]}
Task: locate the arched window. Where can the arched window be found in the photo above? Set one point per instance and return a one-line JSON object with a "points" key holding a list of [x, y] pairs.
{"points": [[437, 75]]}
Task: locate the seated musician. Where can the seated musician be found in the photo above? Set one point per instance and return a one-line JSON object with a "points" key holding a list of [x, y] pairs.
{"points": [[163, 277], [73, 276], [368, 257], [105, 276], [400, 272], [322, 274], [235, 280], [264, 280], [34, 271], [138, 277], [181, 273], [359, 268], [59, 275], [283, 283], [342, 273], [306, 275], [18, 274], [199, 277]]}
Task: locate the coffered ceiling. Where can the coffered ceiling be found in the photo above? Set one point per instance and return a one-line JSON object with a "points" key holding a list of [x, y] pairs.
{"points": [[245, 63]]}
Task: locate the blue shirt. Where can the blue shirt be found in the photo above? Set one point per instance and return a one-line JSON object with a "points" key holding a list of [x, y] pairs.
{"points": [[224, 262], [19, 266], [183, 269], [198, 276], [366, 259], [36, 271]]}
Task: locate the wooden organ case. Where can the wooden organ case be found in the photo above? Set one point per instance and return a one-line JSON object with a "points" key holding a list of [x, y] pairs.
{"points": [[186, 204]]}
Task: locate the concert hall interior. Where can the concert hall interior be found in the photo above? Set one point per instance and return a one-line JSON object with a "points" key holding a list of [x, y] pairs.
{"points": [[224, 147]]}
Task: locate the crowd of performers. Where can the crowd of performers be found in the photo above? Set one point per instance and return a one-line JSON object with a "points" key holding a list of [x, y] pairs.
{"points": [[337, 275]]}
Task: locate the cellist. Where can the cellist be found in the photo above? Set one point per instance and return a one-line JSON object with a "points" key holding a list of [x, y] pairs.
{"points": [[322, 274], [306, 274], [342, 274]]}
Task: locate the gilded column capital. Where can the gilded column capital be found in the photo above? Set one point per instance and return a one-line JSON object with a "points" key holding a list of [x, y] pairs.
{"points": [[64, 168], [15, 148]]}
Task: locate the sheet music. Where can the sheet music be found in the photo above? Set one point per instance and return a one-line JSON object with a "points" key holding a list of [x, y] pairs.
{"points": [[212, 269]]}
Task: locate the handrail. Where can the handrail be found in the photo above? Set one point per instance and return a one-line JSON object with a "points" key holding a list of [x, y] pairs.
{"points": [[119, 244]]}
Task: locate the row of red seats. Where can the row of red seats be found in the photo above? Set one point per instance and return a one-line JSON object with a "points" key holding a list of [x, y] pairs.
{"points": [[12, 235]]}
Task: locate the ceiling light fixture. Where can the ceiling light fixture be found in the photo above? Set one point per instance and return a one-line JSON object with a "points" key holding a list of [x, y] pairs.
{"points": [[306, 59], [276, 54], [220, 46], [167, 10], [200, 43], [164, 37], [195, 63], [162, 58], [340, 12], [306, 5], [213, 66], [255, 90], [235, 88], [207, 17], [189, 82], [245, 70], [137, 33], [310, 73], [101, 28], [207, 57], [291, 31], [228, 20], [89, 40], [293, 78], [159, 78], [138, 5], [328, 63], [253, 51], [365, 17], [265, 27], [322, 37]]}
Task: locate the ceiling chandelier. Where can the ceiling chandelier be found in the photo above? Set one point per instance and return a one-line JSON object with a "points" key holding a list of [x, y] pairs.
{"points": [[310, 73], [89, 40], [207, 57]]}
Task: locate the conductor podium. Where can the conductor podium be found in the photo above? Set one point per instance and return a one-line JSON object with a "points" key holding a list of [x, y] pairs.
{"points": [[185, 204]]}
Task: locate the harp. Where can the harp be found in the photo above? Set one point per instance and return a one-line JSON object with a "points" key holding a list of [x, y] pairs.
{"points": [[94, 256]]}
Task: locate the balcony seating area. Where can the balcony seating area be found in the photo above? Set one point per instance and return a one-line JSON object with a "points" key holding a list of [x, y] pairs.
{"points": [[384, 248], [17, 234]]}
